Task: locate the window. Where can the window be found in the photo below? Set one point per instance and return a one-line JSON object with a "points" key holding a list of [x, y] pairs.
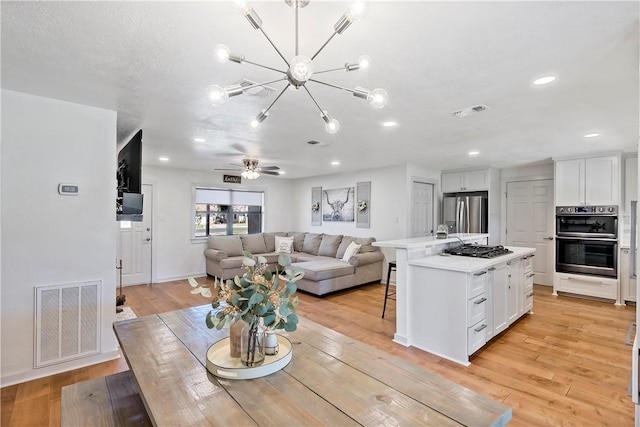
{"points": [[226, 212]]}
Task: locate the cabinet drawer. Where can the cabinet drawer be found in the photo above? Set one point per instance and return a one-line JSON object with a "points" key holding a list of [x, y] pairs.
{"points": [[528, 299], [477, 283], [527, 263], [476, 309], [476, 336], [595, 287], [528, 280]]}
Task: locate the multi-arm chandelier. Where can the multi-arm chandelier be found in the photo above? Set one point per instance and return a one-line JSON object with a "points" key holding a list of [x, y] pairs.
{"points": [[299, 70]]}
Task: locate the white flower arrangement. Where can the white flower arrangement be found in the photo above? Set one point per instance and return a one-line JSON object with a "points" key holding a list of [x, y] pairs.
{"points": [[362, 205], [315, 207]]}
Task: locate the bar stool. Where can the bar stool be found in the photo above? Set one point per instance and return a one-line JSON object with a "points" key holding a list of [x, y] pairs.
{"points": [[392, 266]]}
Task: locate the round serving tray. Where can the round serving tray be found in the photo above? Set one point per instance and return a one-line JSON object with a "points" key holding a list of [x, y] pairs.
{"points": [[221, 364]]}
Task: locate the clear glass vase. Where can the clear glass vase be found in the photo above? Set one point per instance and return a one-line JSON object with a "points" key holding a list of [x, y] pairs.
{"points": [[252, 343]]}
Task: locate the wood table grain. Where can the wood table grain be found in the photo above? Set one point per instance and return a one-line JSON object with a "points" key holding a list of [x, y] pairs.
{"points": [[331, 380]]}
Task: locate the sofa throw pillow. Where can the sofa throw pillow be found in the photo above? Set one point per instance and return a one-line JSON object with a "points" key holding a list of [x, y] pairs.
{"points": [[352, 250], [329, 245], [270, 240], [284, 245], [253, 243]]}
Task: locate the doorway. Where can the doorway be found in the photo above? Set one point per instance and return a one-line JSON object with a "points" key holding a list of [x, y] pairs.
{"points": [[422, 208], [530, 223], [135, 244]]}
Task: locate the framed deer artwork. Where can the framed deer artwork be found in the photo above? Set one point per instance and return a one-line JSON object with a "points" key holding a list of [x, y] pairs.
{"points": [[337, 204]]}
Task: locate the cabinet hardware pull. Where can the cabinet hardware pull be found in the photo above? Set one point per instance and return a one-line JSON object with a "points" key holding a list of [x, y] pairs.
{"points": [[480, 301], [480, 274], [508, 262], [492, 269], [530, 295], [531, 274], [479, 328], [586, 281]]}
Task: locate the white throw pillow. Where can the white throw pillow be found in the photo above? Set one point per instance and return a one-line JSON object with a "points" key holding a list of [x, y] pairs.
{"points": [[284, 245], [352, 249]]}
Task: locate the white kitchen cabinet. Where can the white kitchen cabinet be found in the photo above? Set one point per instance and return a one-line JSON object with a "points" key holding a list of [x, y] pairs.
{"points": [[589, 181], [593, 286], [627, 284], [500, 312], [453, 182], [630, 182]]}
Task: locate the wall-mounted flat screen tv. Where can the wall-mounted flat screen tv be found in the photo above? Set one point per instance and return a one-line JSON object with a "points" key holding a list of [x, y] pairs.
{"points": [[129, 172]]}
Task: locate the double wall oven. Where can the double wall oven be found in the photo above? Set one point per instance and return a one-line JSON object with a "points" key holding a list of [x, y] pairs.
{"points": [[587, 240]]}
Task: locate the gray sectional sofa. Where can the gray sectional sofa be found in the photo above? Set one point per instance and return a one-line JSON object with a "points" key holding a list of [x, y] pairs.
{"points": [[318, 255]]}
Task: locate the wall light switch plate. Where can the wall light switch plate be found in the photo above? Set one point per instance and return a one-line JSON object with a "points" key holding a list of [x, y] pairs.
{"points": [[68, 189]]}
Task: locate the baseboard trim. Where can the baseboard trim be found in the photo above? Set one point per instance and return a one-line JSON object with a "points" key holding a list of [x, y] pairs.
{"points": [[35, 374]]}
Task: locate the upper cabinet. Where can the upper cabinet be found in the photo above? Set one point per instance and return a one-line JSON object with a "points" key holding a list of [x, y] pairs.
{"points": [[453, 182], [630, 182], [589, 181]]}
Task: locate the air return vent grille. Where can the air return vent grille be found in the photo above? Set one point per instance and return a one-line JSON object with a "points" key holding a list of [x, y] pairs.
{"points": [[67, 319], [471, 110]]}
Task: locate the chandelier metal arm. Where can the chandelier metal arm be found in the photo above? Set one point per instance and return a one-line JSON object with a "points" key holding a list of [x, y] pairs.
{"points": [[274, 46], [324, 45], [331, 70], [332, 85], [264, 66], [262, 84], [278, 97], [314, 100]]}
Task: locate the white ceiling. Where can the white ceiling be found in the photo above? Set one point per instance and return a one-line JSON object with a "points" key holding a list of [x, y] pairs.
{"points": [[152, 62]]}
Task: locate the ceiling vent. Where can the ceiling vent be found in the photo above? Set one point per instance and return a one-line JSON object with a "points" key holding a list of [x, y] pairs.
{"points": [[260, 91], [468, 111]]}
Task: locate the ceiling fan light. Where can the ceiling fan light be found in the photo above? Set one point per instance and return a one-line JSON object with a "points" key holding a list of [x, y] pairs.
{"points": [[252, 17], [221, 52], [301, 68], [217, 95], [378, 98]]}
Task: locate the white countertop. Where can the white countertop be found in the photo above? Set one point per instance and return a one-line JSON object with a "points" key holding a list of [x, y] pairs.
{"points": [[423, 242], [468, 264]]}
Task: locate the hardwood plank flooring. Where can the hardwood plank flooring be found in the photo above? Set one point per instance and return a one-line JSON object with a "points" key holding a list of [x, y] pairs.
{"points": [[566, 364]]}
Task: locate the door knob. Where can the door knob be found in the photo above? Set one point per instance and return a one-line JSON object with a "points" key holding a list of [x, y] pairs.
{"points": [[148, 229], [148, 239], [548, 238]]}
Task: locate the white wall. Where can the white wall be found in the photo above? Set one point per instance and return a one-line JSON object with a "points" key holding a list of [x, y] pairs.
{"points": [[49, 239], [175, 254]]}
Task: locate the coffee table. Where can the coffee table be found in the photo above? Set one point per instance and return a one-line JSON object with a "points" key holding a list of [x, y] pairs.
{"points": [[331, 380]]}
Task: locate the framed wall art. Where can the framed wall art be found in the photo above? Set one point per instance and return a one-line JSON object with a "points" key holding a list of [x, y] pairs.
{"points": [[316, 205], [337, 204], [363, 204]]}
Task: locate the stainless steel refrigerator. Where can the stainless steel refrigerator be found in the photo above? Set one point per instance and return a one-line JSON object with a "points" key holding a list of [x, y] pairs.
{"points": [[466, 212]]}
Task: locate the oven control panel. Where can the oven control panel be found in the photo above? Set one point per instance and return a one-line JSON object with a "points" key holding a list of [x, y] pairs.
{"points": [[587, 210]]}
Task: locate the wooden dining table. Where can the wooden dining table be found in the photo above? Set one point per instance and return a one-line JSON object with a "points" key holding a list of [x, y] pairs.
{"points": [[332, 379]]}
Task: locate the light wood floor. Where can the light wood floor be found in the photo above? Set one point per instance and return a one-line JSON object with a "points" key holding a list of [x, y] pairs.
{"points": [[566, 364]]}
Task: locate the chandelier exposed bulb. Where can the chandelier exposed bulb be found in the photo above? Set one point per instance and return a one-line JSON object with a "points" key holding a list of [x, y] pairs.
{"points": [[364, 62], [221, 53], [378, 98], [217, 95], [257, 120], [358, 10], [331, 125]]}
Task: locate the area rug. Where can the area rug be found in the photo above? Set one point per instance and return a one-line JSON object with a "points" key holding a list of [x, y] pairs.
{"points": [[126, 313]]}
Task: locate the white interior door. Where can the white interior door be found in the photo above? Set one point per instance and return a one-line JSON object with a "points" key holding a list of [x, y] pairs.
{"points": [[422, 211], [530, 223], [134, 244]]}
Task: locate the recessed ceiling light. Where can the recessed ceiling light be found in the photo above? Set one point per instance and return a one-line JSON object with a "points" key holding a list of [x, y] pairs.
{"points": [[163, 159], [390, 124], [199, 140], [544, 80], [592, 135], [473, 153], [335, 163]]}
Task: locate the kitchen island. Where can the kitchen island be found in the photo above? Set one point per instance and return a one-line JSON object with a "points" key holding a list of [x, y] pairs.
{"points": [[414, 248], [451, 305], [457, 304]]}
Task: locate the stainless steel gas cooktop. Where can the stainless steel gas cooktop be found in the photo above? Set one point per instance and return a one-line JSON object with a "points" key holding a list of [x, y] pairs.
{"points": [[478, 251]]}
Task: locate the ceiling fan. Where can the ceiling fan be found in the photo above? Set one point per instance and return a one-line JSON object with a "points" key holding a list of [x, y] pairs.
{"points": [[251, 170]]}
